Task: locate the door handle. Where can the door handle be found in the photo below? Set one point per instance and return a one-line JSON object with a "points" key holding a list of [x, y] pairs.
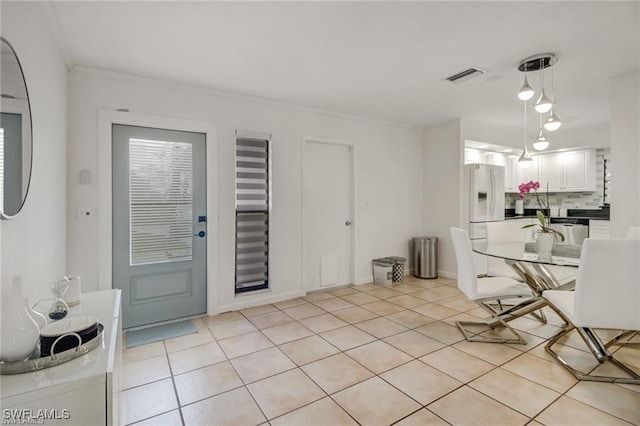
{"points": [[200, 234], [348, 223]]}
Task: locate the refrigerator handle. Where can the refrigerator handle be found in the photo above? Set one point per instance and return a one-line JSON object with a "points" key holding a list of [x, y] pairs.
{"points": [[493, 192]]}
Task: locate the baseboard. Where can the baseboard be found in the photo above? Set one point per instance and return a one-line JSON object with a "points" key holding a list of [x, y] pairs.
{"points": [[448, 274], [369, 278], [364, 280], [248, 300]]}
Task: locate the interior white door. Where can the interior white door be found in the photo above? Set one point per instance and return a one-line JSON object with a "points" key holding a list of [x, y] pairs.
{"points": [[159, 223], [327, 210]]}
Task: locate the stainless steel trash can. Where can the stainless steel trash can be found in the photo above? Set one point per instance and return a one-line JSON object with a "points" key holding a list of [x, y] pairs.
{"points": [[425, 257]]}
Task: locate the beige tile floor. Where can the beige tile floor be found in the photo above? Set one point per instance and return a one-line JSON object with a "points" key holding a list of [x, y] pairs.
{"points": [[368, 355]]}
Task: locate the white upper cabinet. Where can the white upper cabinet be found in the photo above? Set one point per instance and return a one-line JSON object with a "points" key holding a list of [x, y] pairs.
{"points": [[529, 173], [552, 172], [569, 171], [479, 156], [496, 158], [473, 156], [510, 177], [580, 171], [515, 175]]}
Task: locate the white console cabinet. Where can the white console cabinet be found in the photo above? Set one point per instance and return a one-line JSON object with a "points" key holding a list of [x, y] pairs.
{"points": [[84, 391]]}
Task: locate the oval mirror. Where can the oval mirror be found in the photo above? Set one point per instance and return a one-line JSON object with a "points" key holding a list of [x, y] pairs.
{"points": [[15, 133]]}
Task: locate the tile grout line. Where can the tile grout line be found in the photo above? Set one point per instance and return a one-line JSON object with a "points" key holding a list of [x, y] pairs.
{"points": [[344, 353], [412, 358], [173, 383]]}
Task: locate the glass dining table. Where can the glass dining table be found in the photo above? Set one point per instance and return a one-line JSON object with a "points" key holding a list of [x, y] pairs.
{"points": [[536, 269]]}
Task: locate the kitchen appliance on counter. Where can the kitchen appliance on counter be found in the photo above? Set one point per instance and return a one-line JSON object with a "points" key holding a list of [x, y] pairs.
{"points": [[485, 189], [575, 230], [573, 234]]}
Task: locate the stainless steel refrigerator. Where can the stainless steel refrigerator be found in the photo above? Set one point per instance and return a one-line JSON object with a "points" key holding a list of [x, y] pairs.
{"points": [[485, 198]]}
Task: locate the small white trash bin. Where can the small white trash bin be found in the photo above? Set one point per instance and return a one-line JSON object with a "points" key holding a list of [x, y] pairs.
{"points": [[382, 271]]}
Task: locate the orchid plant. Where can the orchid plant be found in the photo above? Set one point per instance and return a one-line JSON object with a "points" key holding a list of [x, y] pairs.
{"points": [[543, 219]]}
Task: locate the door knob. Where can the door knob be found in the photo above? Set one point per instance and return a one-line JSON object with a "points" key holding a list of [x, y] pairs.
{"points": [[200, 234], [348, 223]]}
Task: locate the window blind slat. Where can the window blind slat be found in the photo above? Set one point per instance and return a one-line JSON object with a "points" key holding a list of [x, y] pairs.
{"points": [[251, 142], [251, 154], [247, 175]]}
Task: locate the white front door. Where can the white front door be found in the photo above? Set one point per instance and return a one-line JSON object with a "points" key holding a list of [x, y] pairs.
{"points": [[159, 223], [327, 214]]}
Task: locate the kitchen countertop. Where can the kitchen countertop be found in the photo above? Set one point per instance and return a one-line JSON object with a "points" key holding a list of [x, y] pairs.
{"points": [[601, 214]]}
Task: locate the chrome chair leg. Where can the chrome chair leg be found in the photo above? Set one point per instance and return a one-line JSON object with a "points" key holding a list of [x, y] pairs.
{"points": [[534, 282], [599, 351], [491, 323], [619, 340], [540, 316], [525, 307]]}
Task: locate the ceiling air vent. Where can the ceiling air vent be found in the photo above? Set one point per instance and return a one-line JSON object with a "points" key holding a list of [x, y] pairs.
{"points": [[466, 75]]}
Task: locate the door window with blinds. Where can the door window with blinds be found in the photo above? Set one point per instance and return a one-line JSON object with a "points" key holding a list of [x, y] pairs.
{"points": [[252, 211], [160, 191]]}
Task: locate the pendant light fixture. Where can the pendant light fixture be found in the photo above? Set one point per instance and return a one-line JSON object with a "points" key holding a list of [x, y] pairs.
{"points": [[525, 159], [541, 143], [526, 91], [543, 104], [553, 123]]}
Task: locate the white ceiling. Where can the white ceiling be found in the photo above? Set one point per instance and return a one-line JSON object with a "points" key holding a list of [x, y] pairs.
{"points": [[383, 60]]}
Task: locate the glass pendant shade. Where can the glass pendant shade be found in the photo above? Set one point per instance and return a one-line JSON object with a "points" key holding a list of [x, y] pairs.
{"points": [[553, 123], [543, 104], [525, 160], [526, 91], [541, 143]]}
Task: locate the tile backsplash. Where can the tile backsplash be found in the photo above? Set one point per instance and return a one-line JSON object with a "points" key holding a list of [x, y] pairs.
{"points": [[571, 200]]}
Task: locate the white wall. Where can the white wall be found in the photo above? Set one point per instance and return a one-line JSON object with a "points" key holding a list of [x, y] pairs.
{"points": [[34, 243], [625, 152], [443, 156], [388, 175]]}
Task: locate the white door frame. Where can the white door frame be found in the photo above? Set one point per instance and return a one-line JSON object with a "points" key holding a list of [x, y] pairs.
{"points": [[352, 210], [106, 118]]}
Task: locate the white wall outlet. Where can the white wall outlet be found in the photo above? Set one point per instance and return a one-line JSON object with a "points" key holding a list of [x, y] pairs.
{"points": [[84, 213]]}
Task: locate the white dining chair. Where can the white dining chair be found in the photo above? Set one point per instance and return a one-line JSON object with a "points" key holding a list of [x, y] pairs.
{"points": [[626, 337], [484, 291], [606, 296], [506, 231]]}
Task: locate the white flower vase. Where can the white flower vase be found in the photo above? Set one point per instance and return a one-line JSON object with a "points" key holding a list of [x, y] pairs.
{"points": [[545, 241], [20, 332], [519, 207]]}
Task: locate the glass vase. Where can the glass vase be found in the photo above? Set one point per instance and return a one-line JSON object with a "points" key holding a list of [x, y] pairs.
{"points": [[20, 333]]}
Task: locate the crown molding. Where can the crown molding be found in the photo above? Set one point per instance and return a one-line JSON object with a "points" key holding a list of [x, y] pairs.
{"points": [[166, 84], [53, 24]]}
